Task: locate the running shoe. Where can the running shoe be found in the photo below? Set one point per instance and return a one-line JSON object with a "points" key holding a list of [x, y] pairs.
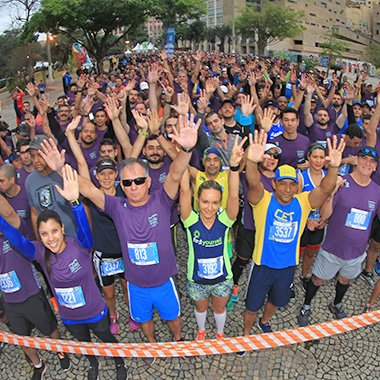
{"points": [[114, 326], [235, 294], [93, 372], [38, 373], [303, 317], [368, 309], [368, 278], [121, 373], [304, 282], [201, 335], [377, 268], [64, 361], [149, 361], [133, 325], [220, 336], [241, 353], [337, 310], [292, 291], [265, 327]]}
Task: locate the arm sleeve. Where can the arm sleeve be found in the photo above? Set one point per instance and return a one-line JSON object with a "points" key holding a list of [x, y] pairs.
{"points": [[19, 114], [55, 128], [84, 234], [19, 242]]}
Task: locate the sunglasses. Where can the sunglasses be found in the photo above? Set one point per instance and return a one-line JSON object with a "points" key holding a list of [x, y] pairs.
{"points": [[369, 152], [136, 181], [275, 155]]}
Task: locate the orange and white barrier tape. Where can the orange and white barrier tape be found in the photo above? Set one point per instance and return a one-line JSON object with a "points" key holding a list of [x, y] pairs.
{"points": [[198, 348]]}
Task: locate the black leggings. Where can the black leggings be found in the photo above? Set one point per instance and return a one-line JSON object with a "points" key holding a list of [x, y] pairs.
{"points": [[102, 330]]}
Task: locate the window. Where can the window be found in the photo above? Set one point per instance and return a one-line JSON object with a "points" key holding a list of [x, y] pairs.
{"points": [[298, 42]]}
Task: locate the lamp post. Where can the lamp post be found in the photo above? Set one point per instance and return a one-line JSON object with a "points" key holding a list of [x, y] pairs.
{"points": [[49, 40], [233, 28]]}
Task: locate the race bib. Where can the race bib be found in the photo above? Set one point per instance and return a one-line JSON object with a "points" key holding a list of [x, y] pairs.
{"points": [[143, 254], [358, 219], [109, 267], [9, 282], [315, 215], [71, 298], [210, 268], [283, 232]]}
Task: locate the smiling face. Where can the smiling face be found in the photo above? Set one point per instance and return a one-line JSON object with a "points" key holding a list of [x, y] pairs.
{"points": [[137, 195], [212, 165], [285, 190], [106, 178], [209, 203], [317, 159], [52, 235], [366, 165]]}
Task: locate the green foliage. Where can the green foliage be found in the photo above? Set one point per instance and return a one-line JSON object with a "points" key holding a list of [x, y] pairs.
{"points": [[220, 31], [373, 54], [333, 47], [269, 23], [195, 31]]}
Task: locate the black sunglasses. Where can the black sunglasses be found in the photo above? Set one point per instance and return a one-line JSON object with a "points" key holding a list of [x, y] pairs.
{"points": [[275, 155], [136, 181], [369, 152]]}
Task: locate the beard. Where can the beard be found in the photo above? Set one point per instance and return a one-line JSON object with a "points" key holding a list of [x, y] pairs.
{"points": [[155, 159]]}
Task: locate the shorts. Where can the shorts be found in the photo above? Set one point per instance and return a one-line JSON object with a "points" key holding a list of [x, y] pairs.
{"points": [[312, 238], [326, 266], [163, 298], [81, 331], [375, 230], [245, 242], [35, 312], [199, 292], [274, 283], [97, 259]]}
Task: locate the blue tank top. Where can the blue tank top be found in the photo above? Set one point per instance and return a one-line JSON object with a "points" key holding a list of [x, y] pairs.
{"points": [[309, 185]]}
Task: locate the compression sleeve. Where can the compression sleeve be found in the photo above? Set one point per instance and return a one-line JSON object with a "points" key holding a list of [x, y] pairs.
{"points": [[18, 242], [84, 233]]}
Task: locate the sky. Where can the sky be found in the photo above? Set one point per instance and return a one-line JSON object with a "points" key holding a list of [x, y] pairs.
{"points": [[5, 18]]}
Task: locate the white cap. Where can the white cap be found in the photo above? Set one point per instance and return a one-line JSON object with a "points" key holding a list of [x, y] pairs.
{"points": [[144, 86], [224, 89], [271, 146]]}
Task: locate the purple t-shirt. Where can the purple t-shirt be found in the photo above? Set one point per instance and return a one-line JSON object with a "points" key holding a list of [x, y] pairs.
{"points": [[72, 280], [318, 134], [292, 150], [18, 277], [349, 228], [145, 238], [22, 175]]}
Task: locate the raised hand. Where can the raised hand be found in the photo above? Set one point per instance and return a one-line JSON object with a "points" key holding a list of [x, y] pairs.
{"points": [[211, 84], [70, 189], [153, 74], [186, 135], [252, 78], [50, 153], [112, 108], [141, 121], [247, 105], [73, 125], [237, 152], [256, 148], [335, 150], [266, 121], [154, 123], [182, 107], [31, 89], [130, 85]]}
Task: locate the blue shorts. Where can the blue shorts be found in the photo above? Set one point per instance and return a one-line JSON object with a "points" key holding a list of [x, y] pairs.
{"points": [[163, 298], [274, 283]]}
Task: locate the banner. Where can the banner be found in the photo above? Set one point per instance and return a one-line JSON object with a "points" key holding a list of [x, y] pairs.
{"points": [[170, 41], [80, 55]]}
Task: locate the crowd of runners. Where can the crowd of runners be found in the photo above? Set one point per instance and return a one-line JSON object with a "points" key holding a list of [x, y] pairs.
{"points": [[260, 161]]}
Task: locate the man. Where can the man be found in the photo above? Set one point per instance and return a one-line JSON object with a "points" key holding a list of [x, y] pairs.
{"points": [[280, 219], [26, 161], [350, 212], [89, 141]]}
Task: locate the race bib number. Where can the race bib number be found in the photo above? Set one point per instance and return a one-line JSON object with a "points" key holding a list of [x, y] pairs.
{"points": [[109, 267], [9, 282], [315, 215], [210, 269], [143, 254], [283, 232], [358, 219], [71, 298]]}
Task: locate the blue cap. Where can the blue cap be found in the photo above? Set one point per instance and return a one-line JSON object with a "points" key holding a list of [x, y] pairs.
{"points": [[286, 172], [211, 150]]}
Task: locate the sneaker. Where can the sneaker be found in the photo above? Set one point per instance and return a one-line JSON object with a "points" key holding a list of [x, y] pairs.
{"points": [[149, 361], [303, 317], [377, 268], [292, 291], [265, 327], [368, 278], [121, 373], [235, 294], [93, 372], [337, 310], [368, 309], [64, 361], [38, 373], [241, 353], [114, 326], [220, 336], [201, 335], [304, 282], [133, 325]]}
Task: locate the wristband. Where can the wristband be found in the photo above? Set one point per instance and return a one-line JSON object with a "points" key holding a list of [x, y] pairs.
{"points": [[302, 89], [187, 150], [75, 203], [156, 135], [85, 115], [168, 102], [143, 133], [235, 168], [79, 90]]}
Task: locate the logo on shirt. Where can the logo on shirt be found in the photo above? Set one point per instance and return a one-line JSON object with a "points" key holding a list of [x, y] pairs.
{"points": [[300, 153], [6, 246], [45, 197], [93, 155], [371, 205], [153, 220], [347, 184], [162, 177], [74, 266]]}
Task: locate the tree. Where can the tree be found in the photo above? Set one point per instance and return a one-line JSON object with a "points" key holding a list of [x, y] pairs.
{"points": [[332, 47], [194, 32], [269, 23], [373, 54], [96, 21], [23, 8], [219, 31]]}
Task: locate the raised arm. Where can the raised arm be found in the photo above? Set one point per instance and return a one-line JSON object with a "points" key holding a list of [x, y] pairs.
{"points": [[185, 196], [8, 213], [308, 117]]}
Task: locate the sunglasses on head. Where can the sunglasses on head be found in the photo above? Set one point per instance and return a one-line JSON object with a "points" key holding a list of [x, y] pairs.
{"points": [[275, 155], [136, 181], [369, 152]]}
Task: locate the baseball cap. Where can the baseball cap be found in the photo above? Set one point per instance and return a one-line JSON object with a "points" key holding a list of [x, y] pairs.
{"points": [[271, 103], [357, 102], [13, 156], [37, 141], [144, 86], [224, 89], [269, 146], [105, 163], [369, 151], [286, 172], [211, 150], [230, 101]]}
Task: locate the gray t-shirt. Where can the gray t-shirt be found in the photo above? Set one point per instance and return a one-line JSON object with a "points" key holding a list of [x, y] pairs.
{"points": [[43, 195]]}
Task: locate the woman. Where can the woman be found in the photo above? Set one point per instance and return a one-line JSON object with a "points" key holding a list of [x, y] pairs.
{"points": [[209, 267], [313, 235], [67, 263]]}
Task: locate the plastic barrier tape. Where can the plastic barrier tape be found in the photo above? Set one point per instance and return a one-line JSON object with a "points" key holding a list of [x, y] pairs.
{"points": [[197, 348]]}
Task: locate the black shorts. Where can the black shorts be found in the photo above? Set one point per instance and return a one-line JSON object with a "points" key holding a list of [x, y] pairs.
{"points": [[312, 237], [375, 231], [35, 312], [245, 242]]}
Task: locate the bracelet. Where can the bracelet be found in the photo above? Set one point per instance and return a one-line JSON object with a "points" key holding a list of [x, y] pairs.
{"points": [[75, 203], [143, 133], [168, 102], [156, 135], [187, 150], [235, 168], [302, 89], [86, 115], [79, 90]]}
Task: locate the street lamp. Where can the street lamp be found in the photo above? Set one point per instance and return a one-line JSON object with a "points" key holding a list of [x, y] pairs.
{"points": [[49, 40], [233, 28]]}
